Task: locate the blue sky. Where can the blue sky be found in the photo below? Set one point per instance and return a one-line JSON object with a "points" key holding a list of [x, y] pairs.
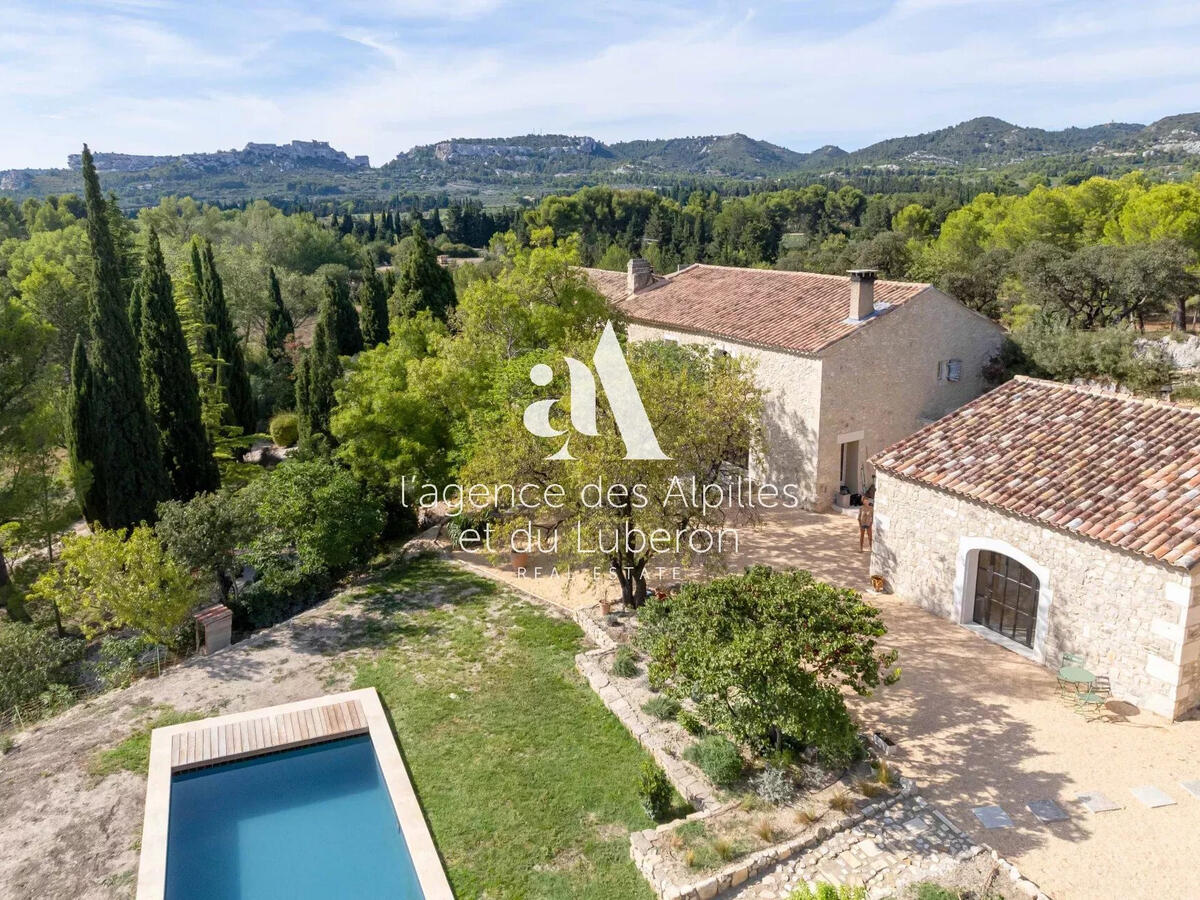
{"points": [[151, 76]]}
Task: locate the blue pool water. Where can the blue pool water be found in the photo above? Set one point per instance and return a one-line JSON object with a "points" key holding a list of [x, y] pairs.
{"points": [[310, 823]]}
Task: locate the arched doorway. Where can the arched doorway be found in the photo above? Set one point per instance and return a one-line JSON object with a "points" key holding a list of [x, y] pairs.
{"points": [[1006, 597]]}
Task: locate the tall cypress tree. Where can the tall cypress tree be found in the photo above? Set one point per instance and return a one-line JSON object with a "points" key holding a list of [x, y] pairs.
{"points": [[320, 369], [127, 479], [374, 310], [344, 330], [279, 321], [221, 341], [171, 389], [135, 311], [82, 445]]}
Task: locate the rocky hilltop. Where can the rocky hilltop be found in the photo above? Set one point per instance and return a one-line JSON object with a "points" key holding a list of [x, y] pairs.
{"points": [[281, 157]]}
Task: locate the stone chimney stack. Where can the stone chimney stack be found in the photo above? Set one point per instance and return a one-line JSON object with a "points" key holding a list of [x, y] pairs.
{"points": [[638, 275], [862, 294]]}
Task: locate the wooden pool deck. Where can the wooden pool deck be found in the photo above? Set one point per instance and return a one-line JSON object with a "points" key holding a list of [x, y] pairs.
{"points": [[220, 743]]}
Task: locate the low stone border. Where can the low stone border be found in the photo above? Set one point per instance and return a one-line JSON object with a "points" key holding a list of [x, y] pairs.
{"points": [[644, 852], [594, 630], [687, 779], [1020, 882]]}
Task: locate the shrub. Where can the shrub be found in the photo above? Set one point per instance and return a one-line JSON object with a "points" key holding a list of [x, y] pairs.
{"points": [[784, 644], [31, 660], [807, 815], [764, 830], [774, 786], [886, 775], [690, 721], [927, 890], [841, 801], [869, 788], [661, 707], [654, 790], [285, 429], [624, 664], [314, 510], [118, 660], [828, 892], [717, 757]]}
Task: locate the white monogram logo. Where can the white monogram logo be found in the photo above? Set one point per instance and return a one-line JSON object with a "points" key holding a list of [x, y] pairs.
{"points": [[622, 394]]}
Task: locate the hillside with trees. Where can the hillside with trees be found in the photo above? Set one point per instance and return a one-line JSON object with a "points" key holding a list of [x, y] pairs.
{"points": [[498, 171], [144, 359]]}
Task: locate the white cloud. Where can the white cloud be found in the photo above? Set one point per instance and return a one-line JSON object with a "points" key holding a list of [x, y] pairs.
{"points": [[139, 83]]}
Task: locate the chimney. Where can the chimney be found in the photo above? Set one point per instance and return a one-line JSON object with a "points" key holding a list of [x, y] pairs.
{"points": [[638, 275], [862, 294]]}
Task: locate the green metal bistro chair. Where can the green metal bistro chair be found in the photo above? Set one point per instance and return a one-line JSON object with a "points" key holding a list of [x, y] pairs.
{"points": [[1090, 703], [1067, 689]]}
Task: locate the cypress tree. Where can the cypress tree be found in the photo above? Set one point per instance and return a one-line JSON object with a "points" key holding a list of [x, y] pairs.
{"points": [[320, 370], [347, 224], [344, 330], [374, 310], [135, 311], [422, 283], [171, 389], [82, 449], [221, 341], [127, 477], [279, 321], [371, 229]]}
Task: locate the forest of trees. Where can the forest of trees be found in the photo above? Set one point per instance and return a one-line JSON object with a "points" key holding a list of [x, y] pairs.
{"points": [[141, 360]]}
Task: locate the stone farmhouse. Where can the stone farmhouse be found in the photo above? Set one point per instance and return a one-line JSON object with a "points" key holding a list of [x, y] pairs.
{"points": [[1056, 519], [850, 364]]}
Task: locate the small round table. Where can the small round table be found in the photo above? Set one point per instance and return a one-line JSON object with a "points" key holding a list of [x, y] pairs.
{"points": [[1076, 675]]}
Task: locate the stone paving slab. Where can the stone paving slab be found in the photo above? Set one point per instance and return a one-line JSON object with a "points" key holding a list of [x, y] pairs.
{"points": [[1097, 802], [992, 816], [1192, 787], [1048, 811], [1152, 796]]}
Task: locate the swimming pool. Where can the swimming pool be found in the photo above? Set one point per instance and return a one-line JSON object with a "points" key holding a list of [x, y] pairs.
{"points": [[315, 822], [305, 800]]}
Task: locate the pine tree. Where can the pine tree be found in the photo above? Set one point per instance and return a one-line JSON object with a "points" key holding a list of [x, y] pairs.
{"points": [[422, 283], [221, 341], [171, 389], [344, 330], [374, 310], [127, 479], [279, 321], [320, 370]]}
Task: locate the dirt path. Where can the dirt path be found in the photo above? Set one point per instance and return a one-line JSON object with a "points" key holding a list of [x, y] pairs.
{"points": [[69, 834]]}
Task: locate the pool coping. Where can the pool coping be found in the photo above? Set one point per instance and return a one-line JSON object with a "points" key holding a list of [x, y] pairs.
{"points": [[164, 762]]}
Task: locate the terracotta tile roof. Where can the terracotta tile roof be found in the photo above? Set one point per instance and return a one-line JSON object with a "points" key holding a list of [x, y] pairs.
{"points": [[1106, 466], [610, 284], [800, 311]]}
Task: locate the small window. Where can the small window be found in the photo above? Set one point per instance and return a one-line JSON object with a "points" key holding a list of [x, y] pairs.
{"points": [[954, 370]]}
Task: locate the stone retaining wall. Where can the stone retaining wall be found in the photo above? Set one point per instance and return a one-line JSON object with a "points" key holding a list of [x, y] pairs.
{"points": [[645, 853], [687, 779]]}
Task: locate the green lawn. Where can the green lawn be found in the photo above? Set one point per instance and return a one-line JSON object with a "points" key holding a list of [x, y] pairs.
{"points": [[526, 779]]}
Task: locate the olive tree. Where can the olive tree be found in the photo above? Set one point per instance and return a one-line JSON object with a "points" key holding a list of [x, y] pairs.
{"points": [[767, 655]]}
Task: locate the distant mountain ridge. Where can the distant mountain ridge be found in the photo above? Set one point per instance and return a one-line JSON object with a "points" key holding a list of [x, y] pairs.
{"points": [[284, 157], [503, 169]]}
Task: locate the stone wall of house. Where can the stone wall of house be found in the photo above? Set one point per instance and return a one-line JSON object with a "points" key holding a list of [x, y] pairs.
{"points": [[885, 379], [793, 403], [1131, 619]]}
